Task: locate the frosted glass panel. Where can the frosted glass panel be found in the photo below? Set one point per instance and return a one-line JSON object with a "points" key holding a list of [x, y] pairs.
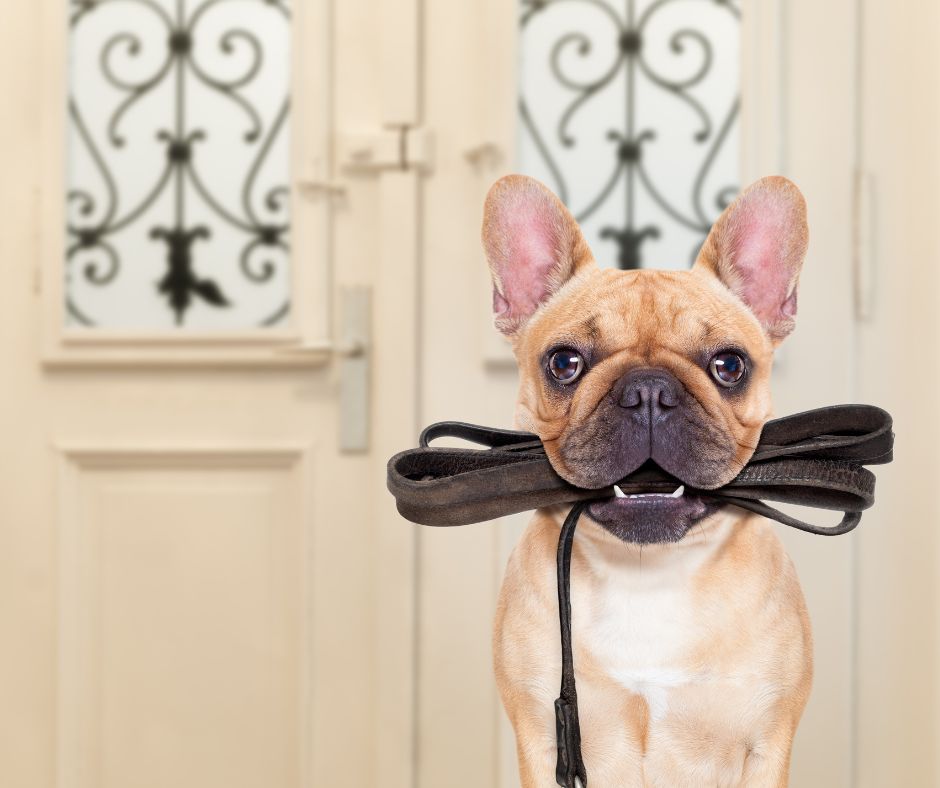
{"points": [[628, 109], [178, 164]]}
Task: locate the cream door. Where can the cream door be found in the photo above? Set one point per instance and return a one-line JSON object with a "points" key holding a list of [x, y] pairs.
{"points": [[202, 581], [798, 73]]}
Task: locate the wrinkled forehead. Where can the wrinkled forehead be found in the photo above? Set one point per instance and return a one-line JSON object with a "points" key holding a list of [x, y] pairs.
{"points": [[610, 308]]}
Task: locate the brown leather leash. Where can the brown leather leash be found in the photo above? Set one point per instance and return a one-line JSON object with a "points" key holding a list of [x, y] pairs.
{"points": [[811, 459]]}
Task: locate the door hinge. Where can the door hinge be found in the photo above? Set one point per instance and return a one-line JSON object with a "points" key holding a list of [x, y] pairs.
{"points": [[394, 148]]}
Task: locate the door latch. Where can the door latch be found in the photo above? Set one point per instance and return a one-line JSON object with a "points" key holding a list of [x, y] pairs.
{"points": [[354, 369]]}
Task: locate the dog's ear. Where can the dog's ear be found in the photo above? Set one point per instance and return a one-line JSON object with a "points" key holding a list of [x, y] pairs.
{"points": [[533, 246], [756, 249]]}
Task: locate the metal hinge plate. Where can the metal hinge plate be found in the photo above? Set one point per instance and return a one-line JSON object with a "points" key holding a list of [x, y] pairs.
{"points": [[394, 148]]}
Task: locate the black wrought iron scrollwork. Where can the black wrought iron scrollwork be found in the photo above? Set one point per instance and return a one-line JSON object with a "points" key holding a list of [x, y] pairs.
{"points": [[96, 216], [628, 61]]}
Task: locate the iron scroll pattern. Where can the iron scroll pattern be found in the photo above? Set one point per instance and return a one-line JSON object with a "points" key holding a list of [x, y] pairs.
{"points": [[262, 218], [632, 133]]}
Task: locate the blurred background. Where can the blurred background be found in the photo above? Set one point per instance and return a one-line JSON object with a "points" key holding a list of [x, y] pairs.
{"points": [[241, 268]]}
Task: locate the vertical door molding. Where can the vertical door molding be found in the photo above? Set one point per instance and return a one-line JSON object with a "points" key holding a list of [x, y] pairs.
{"points": [[799, 79], [470, 104], [763, 89], [396, 397], [898, 586], [491, 152]]}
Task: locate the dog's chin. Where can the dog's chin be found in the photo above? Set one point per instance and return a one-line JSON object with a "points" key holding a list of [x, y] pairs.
{"points": [[651, 519]]}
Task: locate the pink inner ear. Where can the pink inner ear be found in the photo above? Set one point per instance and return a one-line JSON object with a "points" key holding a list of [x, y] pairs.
{"points": [[532, 256], [765, 279], [762, 257]]}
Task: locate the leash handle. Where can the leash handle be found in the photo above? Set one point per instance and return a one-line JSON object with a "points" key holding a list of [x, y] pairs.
{"points": [[570, 765]]}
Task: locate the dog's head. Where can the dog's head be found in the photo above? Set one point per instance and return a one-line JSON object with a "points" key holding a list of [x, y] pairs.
{"points": [[623, 368]]}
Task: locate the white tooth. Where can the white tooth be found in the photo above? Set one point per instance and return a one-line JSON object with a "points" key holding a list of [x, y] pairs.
{"points": [[679, 492], [618, 492]]}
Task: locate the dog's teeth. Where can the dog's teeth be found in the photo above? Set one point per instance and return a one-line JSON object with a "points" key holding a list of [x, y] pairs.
{"points": [[621, 494]]}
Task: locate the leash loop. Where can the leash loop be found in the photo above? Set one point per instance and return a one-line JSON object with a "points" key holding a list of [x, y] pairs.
{"points": [[811, 459]]}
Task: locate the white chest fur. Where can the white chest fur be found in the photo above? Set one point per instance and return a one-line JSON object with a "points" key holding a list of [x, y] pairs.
{"points": [[637, 613]]}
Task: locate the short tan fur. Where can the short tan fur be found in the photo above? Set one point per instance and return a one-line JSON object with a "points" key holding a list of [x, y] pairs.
{"points": [[693, 657]]}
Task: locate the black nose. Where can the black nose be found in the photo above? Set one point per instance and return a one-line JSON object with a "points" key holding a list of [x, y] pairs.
{"points": [[651, 392]]}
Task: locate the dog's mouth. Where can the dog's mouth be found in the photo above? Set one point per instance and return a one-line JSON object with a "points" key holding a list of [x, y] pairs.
{"points": [[663, 512]]}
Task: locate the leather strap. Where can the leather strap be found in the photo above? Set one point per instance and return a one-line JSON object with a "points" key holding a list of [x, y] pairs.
{"points": [[811, 459], [567, 726]]}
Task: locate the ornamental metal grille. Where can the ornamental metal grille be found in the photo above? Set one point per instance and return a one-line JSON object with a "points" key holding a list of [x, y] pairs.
{"points": [[629, 110], [178, 161]]}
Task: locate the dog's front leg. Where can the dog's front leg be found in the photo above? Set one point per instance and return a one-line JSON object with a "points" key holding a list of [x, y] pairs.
{"points": [[537, 754], [767, 764]]}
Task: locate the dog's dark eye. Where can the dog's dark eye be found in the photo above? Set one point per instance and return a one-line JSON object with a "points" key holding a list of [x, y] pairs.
{"points": [[566, 365], [727, 368]]}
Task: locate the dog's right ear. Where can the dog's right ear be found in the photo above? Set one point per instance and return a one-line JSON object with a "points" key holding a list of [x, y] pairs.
{"points": [[533, 246]]}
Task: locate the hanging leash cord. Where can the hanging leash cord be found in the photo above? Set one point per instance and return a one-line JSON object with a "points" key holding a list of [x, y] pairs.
{"points": [[567, 726], [810, 459]]}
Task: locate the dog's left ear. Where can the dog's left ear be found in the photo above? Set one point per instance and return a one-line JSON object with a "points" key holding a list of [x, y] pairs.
{"points": [[533, 246], [756, 248]]}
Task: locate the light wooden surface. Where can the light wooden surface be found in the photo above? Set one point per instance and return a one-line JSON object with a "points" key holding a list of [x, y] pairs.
{"points": [[898, 591], [198, 588]]}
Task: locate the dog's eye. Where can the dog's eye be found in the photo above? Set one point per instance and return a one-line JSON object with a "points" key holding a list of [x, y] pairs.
{"points": [[727, 368], [566, 365]]}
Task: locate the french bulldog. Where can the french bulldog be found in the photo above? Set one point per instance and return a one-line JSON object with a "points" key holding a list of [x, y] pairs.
{"points": [[692, 644]]}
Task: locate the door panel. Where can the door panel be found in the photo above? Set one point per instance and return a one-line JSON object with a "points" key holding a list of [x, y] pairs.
{"points": [[182, 635], [190, 566]]}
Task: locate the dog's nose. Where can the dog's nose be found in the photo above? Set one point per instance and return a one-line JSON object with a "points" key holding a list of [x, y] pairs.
{"points": [[650, 391]]}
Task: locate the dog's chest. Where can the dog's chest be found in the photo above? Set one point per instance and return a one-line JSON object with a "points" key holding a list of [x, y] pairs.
{"points": [[641, 641], [642, 628]]}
